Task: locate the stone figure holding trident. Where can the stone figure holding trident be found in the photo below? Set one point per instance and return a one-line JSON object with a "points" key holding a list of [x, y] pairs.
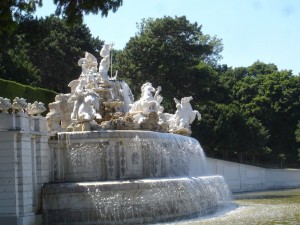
{"points": [[105, 62]]}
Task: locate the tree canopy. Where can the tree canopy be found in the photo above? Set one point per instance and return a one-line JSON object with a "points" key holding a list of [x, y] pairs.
{"points": [[44, 52], [166, 52], [11, 11], [268, 100]]}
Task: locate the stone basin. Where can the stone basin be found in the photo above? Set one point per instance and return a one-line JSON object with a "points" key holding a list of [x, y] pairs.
{"points": [[119, 155], [132, 202]]}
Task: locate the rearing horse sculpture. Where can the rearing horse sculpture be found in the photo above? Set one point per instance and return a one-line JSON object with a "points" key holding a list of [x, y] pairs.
{"points": [[146, 103], [184, 115]]}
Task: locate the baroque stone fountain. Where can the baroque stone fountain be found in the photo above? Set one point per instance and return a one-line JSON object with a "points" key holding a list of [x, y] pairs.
{"points": [[119, 161]]}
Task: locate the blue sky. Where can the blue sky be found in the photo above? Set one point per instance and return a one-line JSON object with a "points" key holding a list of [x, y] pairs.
{"points": [[251, 30]]}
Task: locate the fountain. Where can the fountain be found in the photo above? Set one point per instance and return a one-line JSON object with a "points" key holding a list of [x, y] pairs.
{"points": [[119, 161]]}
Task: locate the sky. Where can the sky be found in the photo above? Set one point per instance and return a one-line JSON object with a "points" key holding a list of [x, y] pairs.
{"points": [[251, 30]]}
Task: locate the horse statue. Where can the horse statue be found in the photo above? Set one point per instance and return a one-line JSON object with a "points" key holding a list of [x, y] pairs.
{"points": [[85, 107], [183, 117], [147, 103]]}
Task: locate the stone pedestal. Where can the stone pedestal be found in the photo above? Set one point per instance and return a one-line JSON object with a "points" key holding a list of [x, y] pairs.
{"points": [[14, 121]]}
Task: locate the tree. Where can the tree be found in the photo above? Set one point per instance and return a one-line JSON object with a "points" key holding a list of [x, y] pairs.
{"points": [[297, 132], [75, 9], [16, 64], [256, 136], [45, 52], [205, 85], [11, 11], [277, 105], [260, 68], [166, 51], [234, 132], [225, 131], [272, 98]]}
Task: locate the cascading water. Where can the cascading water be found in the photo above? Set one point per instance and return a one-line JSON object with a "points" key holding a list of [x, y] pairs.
{"points": [[131, 177], [115, 163], [136, 202], [138, 154]]}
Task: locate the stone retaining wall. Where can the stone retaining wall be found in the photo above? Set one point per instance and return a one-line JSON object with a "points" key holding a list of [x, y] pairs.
{"points": [[240, 177]]}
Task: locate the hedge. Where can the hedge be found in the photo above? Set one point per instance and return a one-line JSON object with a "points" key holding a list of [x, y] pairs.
{"points": [[11, 89]]}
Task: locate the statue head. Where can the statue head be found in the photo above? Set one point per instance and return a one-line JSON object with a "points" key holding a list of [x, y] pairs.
{"points": [[186, 99], [147, 86]]}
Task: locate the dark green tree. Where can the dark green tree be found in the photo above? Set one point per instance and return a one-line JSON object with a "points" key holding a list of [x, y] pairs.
{"points": [[277, 105], [297, 135], [205, 85], [260, 68], [256, 139], [297, 132], [166, 52], [74, 10], [272, 98], [11, 11], [45, 52], [229, 133], [15, 62]]}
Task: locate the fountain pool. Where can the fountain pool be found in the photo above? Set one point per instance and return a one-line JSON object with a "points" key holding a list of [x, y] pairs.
{"points": [[265, 207]]}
